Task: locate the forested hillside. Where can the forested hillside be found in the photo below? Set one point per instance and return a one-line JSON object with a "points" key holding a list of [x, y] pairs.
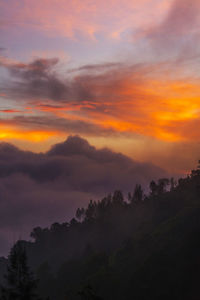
{"points": [[135, 247]]}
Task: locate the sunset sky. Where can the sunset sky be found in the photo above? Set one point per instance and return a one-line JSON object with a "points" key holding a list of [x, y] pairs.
{"points": [[81, 81], [122, 74]]}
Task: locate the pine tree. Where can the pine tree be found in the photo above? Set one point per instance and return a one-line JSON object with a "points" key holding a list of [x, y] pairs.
{"points": [[20, 283]]}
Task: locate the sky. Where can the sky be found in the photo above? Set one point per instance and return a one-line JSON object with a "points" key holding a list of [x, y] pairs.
{"points": [[113, 76]]}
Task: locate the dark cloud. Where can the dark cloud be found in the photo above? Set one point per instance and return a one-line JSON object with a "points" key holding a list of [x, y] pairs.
{"points": [[91, 83], [52, 123], [38, 189], [97, 67], [39, 68], [64, 160], [39, 79]]}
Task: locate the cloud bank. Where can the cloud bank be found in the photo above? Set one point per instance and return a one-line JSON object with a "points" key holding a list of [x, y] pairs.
{"points": [[39, 189]]}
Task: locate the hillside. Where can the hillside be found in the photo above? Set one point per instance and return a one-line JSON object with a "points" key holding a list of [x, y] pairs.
{"points": [[142, 247]]}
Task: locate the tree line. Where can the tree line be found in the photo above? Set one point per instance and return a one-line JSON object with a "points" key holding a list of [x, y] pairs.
{"points": [[132, 247]]}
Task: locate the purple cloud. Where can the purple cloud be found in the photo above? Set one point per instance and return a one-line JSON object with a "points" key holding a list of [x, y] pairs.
{"points": [[39, 189]]}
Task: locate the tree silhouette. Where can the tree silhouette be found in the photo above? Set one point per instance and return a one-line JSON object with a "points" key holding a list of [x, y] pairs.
{"points": [[80, 213], [158, 188], [118, 198], [138, 193], [153, 188], [172, 184], [20, 283], [162, 185], [87, 293]]}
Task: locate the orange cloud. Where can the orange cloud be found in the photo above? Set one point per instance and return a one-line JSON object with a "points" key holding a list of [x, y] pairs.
{"points": [[10, 111], [156, 108], [17, 133], [161, 108], [152, 100]]}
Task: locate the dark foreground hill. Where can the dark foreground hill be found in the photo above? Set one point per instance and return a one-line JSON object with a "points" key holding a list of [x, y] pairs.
{"points": [[144, 247]]}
